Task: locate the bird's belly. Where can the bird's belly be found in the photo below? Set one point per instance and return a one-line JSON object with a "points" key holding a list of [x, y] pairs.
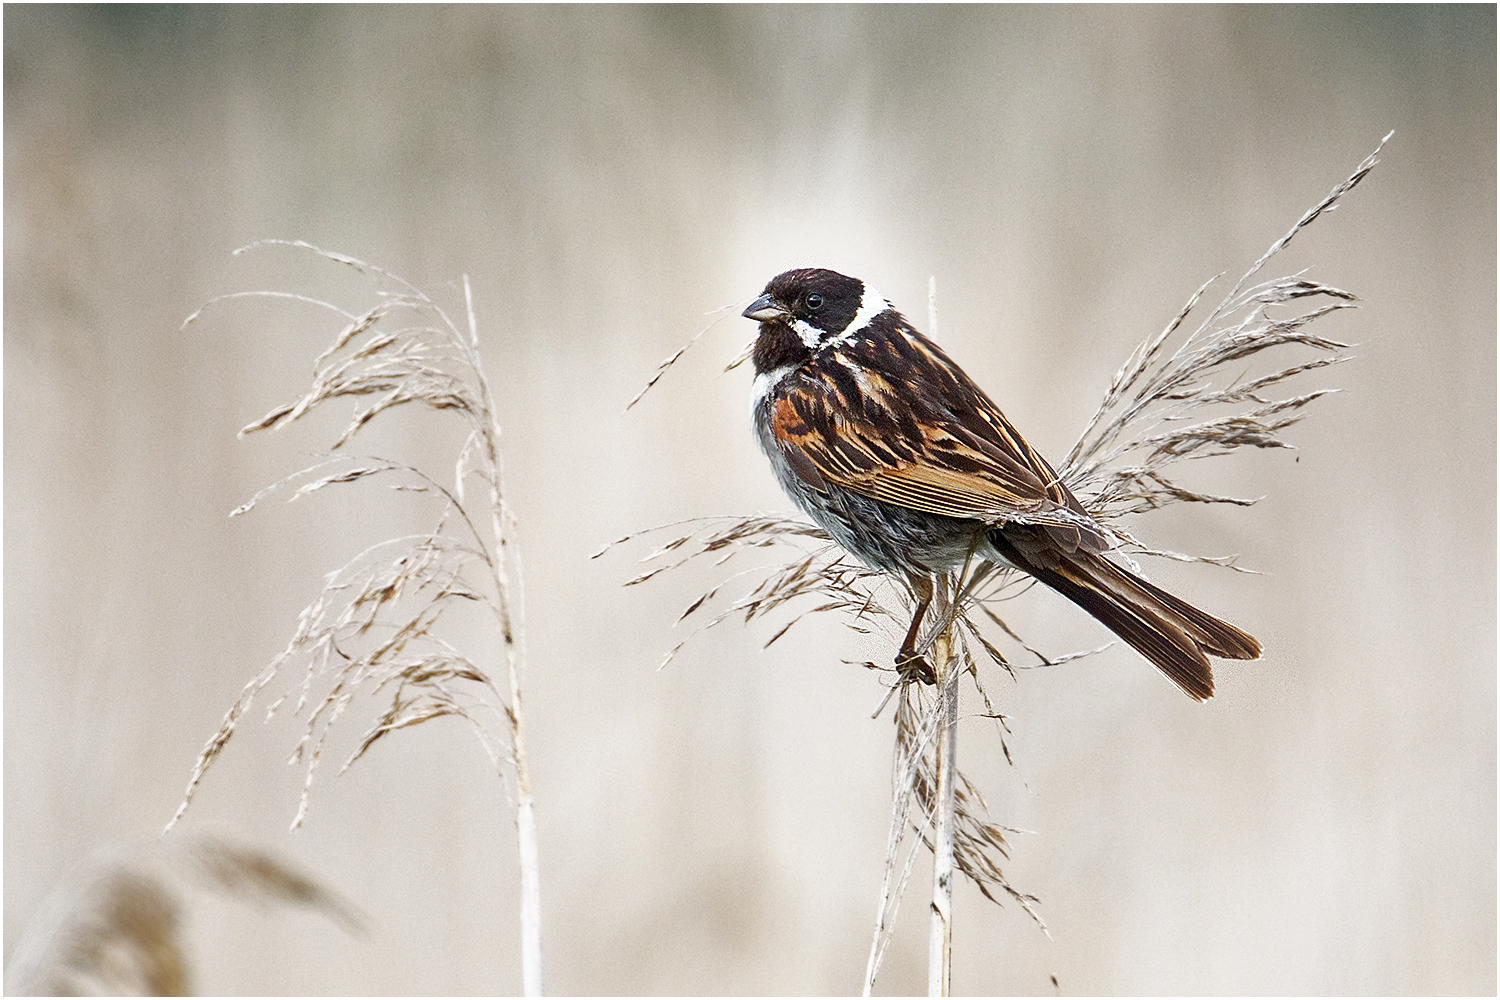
{"points": [[889, 537]]}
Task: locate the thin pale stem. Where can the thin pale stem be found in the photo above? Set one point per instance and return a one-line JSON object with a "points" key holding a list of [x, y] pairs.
{"points": [[531, 893], [507, 613], [940, 938], [531, 898]]}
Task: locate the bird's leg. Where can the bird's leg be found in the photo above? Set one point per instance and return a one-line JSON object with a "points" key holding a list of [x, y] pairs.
{"points": [[907, 660]]}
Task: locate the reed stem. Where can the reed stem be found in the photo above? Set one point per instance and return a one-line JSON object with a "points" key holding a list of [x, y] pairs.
{"points": [[940, 937]]}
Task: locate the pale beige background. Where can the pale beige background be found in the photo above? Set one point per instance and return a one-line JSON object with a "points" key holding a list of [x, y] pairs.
{"points": [[605, 176]]}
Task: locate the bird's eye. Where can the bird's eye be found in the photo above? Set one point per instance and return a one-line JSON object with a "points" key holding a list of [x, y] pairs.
{"points": [[814, 301]]}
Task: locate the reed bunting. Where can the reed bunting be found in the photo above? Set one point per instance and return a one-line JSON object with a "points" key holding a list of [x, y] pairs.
{"points": [[896, 453]]}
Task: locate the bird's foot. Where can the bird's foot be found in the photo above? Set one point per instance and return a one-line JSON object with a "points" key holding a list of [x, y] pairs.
{"points": [[909, 664]]}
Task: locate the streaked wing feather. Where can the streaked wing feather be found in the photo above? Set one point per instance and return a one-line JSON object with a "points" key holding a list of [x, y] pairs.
{"points": [[939, 490], [913, 448]]}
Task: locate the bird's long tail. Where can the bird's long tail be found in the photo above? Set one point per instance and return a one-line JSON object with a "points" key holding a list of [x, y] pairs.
{"points": [[1165, 629]]}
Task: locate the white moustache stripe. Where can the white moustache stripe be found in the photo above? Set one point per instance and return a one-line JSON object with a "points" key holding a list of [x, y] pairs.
{"points": [[871, 304], [765, 382], [807, 333]]}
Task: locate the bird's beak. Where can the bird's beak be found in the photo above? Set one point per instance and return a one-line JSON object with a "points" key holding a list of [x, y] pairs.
{"points": [[765, 309]]}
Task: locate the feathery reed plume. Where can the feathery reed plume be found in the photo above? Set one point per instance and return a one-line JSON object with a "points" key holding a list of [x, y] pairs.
{"points": [[117, 931], [374, 627], [1175, 398]]}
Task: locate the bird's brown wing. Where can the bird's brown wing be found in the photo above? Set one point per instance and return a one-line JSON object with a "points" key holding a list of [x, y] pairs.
{"points": [[896, 420]]}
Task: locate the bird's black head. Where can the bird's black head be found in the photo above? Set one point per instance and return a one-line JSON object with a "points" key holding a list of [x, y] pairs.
{"points": [[804, 310]]}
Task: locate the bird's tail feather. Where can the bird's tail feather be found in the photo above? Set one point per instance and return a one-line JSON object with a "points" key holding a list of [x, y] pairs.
{"points": [[1163, 628]]}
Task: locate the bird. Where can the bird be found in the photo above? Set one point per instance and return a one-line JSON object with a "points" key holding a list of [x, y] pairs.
{"points": [[884, 441]]}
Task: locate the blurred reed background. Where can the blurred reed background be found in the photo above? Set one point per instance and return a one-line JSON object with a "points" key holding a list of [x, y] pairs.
{"points": [[606, 176]]}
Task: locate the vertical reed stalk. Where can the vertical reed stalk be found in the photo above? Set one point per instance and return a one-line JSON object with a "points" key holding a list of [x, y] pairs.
{"points": [[947, 667], [531, 889]]}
